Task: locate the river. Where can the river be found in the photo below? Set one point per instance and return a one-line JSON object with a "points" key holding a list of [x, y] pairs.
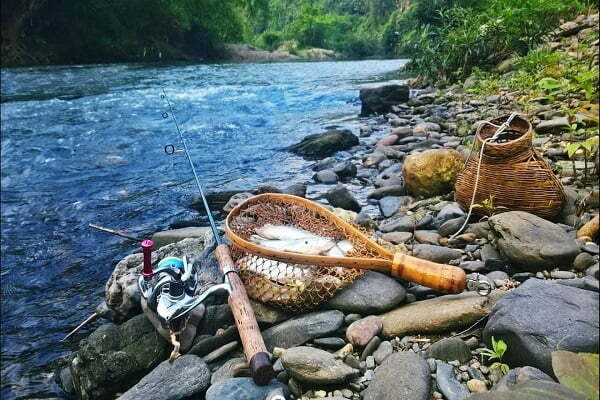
{"points": [[84, 144]]}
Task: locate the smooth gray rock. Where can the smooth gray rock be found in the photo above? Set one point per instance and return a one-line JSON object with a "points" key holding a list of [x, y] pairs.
{"points": [[301, 329], [384, 350], [113, 358], [340, 196], [325, 144], [437, 254], [404, 223], [389, 204], [333, 343], [186, 376], [345, 170], [326, 176], [371, 293], [380, 99], [450, 349], [451, 226], [583, 261], [397, 237], [450, 211], [403, 375], [533, 243], [473, 266], [565, 318], [242, 389], [164, 238], [447, 383], [427, 237], [232, 368], [392, 190], [521, 375], [315, 366]]}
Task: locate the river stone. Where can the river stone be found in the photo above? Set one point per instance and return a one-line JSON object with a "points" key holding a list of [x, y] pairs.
{"points": [[360, 332], [326, 176], [390, 204], [371, 293], [186, 376], [533, 390], [521, 375], [267, 314], [232, 368], [113, 358], [432, 172], [435, 253], [333, 343], [122, 292], [325, 144], [447, 383], [397, 237], [404, 223], [450, 349], [340, 196], [315, 366], [301, 329], [402, 375], [532, 243], [438, 315], [380, 99], [242, 389], [450, 211], [390, 190], [164, 238], [235, 200], [345, 170], [427, 237], [383, 351], [565, 318], [583, 261], [451, 226]]}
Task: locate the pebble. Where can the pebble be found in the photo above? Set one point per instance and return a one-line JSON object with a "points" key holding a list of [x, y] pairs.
{"points": [[583, 261], [447, 383], [383, 351], [370, 348], [563, 275], [591, 248], [333, 343], [360, 332], [352, 361], [370, 362], [476, 386], [350, 318], [474, 373]]}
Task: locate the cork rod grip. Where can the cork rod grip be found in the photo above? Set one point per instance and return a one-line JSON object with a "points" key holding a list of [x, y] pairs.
{"points": [[441, 277], [252, 341]]}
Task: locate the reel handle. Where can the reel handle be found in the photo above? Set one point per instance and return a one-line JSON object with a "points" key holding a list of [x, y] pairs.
{"points": [[147, 252], [252, 341], [441, 277]]}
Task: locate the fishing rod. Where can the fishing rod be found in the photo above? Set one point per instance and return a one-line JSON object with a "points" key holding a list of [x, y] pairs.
{"points": [[249, 332]]}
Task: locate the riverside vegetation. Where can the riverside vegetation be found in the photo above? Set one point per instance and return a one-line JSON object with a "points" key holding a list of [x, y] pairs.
{"points": [[536, 335]]}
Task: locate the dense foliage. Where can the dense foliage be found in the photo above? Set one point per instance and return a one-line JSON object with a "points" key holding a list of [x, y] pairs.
{"points": [[448, 38]]}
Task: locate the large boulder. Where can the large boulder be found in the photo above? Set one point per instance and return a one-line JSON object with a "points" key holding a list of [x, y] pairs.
{"points": [[402, 375], [186, 376], [322, 145], [539, 317], [113, 358], [164, 238], [380, 99], [432, 172], [315, 366], [532, 243], [303, 328], [371, 293], [122, 292], [438, 315], [532, 390]]}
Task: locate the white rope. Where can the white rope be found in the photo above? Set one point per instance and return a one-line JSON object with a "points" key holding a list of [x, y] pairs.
{"points": [[499, 130]]}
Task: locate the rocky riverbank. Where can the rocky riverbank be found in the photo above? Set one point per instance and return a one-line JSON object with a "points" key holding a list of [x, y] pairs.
{"points": [[381, 338]]}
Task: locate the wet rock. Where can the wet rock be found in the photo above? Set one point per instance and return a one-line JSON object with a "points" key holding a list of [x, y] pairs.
{"points": [[447, 383], [390, 204], [302, 329], [424, 128], [432, 172], [183, 378], [427, 237], [438, 315], [387, 140], [315, 366], [402, 375], [324, 144], [359, 333], [370, 348], [333, 343], [164, 238], [232, 368], [404, 223], [326, 176], [450, 349], [491, 257], [583, 261], [380, 99], [437, 254], [397, 237], [402, 132], [371, 293], [451, 226], [235, 200], [340, 196], [113, 358], [392, 190], [533, 243], [564, 317], [555, 125], [296, 189], [450, 211], [122, 292], [521, 375], [345, 170], [242, 389], [473, 266]]}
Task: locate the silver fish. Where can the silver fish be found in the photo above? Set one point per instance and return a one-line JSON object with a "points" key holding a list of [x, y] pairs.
{"points": [[277, 272], [335, 251], [283, 232], [311, 246], [345, 246]]}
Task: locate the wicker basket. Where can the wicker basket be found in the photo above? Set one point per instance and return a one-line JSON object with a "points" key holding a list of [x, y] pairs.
{"points": [[512, 174]]}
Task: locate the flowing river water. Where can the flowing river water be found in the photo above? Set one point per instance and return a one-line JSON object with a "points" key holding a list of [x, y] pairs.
{"points": [[84, 144]]}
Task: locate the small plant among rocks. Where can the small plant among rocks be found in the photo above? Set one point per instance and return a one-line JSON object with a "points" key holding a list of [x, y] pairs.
{"points": [[496, 353]]}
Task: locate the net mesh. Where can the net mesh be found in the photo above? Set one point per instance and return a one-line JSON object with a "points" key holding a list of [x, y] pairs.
{"points": [[289, 284]]}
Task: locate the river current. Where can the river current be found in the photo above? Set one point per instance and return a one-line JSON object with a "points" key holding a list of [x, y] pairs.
{"points": [[85, 144]]}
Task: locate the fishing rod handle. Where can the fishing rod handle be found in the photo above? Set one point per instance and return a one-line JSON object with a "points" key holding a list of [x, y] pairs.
{"points": [[441, 277], [252, 341]]}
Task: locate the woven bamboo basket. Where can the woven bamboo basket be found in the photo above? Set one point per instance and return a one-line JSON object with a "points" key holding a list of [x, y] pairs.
{"points": [[512, 174]]}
